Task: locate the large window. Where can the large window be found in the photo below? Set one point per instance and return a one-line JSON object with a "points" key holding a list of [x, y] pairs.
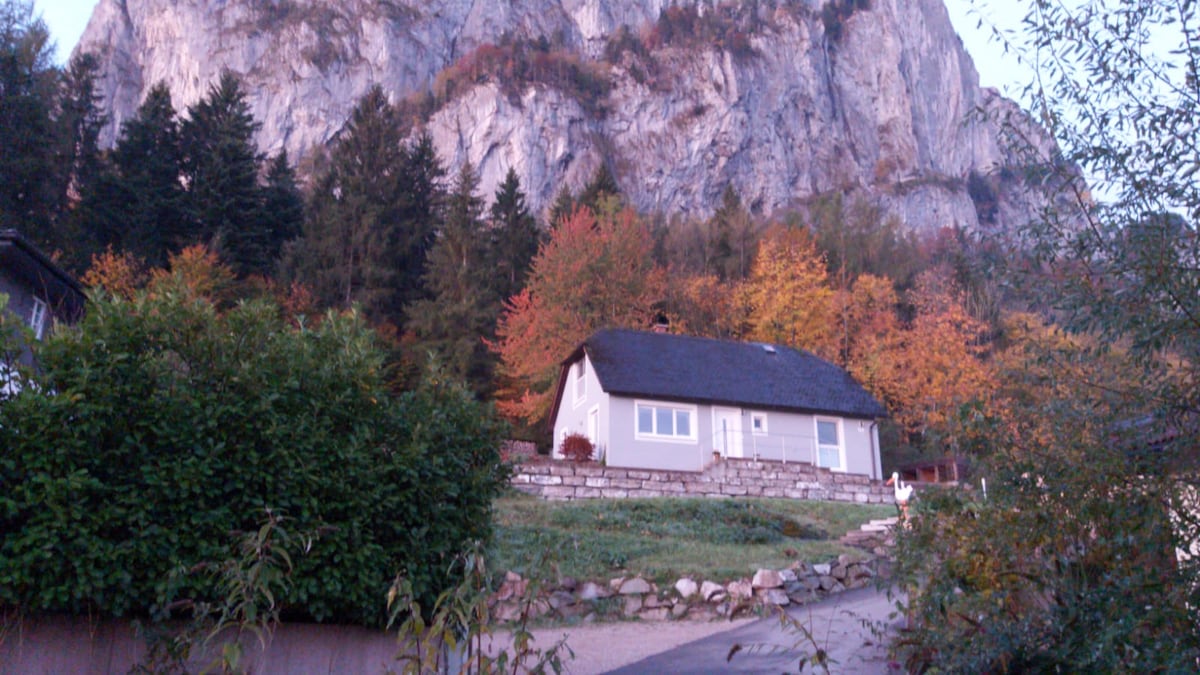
{"points": [[829, 444], [658, 421]]}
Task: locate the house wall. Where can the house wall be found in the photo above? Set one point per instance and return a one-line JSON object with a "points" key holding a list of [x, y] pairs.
{"points": [[20, 304], [572, 417], [790, 437]]}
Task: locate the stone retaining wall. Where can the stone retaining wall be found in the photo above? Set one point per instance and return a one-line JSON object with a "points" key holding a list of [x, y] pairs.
{"points": [[562, 480]]}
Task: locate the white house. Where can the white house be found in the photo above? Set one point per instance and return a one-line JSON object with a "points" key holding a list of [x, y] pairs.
{"points": [[661, 401]]}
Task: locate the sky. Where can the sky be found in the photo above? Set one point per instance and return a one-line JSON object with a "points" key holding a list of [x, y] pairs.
{"points": [[67, 19]]}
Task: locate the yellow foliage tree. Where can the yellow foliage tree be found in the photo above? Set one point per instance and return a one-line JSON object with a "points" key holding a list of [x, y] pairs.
{"points": [[788, 293]]}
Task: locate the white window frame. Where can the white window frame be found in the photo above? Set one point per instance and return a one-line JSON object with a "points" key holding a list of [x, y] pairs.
{"points": [[579, 381], [693, 420], [841, 446], [37, 317], [760, 430]]}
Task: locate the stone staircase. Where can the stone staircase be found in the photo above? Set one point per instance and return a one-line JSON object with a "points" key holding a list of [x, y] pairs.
{"points": [[875, 536]]}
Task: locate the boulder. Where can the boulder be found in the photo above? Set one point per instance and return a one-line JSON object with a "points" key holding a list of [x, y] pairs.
{"points": [[708, 588], [822, 569], [774, 596], [787, 576], [828, 582], [656, 614], [679, 611], [592, 591], [635, 586], [686, 588], [739, 589], [633, 605], [766, 579]]}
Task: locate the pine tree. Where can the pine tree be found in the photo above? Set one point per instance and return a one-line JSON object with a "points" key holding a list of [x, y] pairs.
{"points": [[515, 237], [221, 168]]}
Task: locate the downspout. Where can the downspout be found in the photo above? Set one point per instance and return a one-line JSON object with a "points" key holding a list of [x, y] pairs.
{"points": [[875, 471]]}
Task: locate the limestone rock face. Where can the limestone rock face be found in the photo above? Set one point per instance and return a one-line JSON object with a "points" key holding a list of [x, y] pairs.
{"points": [[786, 109]]}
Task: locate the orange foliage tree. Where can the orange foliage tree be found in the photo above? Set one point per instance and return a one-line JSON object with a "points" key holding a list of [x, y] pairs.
{"points": [[926, 370], [593, 273], [117, 273], [788, 293]]}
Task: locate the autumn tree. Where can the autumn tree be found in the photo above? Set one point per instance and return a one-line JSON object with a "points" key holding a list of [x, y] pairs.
{"points": [[591, 274], [926, 370], [788, 293]]}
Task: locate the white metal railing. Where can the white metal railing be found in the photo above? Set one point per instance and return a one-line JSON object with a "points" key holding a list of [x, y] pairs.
{"points": [[773, 446]]}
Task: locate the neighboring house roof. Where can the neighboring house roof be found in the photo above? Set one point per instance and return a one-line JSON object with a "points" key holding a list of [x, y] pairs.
{"points": [[26, 262], [701, 370]]}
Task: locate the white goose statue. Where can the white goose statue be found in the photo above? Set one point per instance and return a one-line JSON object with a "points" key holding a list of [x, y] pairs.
{"points": [[903, 492]]}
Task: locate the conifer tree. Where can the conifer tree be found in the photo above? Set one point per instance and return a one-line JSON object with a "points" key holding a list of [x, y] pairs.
{"points": [[372, 213], [461, 312], [137, 205], [30, 189], [564, 205], [221, 165], [515, 237], [282, 214], [600, 190]]}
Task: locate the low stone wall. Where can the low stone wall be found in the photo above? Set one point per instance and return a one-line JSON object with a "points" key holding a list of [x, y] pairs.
{"points": [[689, 598], [562, 480]]}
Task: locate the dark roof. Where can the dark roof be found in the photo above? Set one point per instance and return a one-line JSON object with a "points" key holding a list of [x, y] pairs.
{"points": [[744, 374], [21, 258]]}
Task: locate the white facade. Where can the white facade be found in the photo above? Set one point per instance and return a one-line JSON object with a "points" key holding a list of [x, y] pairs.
{"points": [[642, 433]]}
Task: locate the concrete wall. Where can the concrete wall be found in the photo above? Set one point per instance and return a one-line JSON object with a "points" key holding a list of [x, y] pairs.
{"points": [[71, 644], [558, 480]]}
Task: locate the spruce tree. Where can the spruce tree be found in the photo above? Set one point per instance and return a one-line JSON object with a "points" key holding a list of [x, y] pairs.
{"points": [[137, 204], [462, 309], [348, 254], [221, 167], [30, 182], [514, 237], [282, 214]]}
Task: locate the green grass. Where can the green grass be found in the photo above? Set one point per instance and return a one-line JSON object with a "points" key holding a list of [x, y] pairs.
{"points": [[663, 539]]}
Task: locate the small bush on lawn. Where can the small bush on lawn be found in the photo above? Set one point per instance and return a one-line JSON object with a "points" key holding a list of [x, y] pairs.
{"points": [[163, 425], [577, 448]]}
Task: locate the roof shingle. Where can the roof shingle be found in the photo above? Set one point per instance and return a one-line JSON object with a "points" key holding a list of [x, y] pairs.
{"points": [[702, 370]]}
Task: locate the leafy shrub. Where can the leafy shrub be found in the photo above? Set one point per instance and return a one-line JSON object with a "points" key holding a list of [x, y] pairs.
{"points": [[164, 425], [577, 448]]}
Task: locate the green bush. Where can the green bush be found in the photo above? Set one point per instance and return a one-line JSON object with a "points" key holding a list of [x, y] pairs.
{"points": [[165, 427]]}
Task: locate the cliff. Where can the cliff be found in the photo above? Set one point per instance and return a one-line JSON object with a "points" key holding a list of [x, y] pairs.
{"points": [[785, 100]]}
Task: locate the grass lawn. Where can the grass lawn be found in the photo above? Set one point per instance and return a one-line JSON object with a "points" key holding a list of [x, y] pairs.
{"points": [[664, 539]]}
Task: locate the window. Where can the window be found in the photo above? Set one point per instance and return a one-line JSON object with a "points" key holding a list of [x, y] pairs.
{"points": [[580, 380], [758, 423], [37, 318], [829, 443], [658, 421]]}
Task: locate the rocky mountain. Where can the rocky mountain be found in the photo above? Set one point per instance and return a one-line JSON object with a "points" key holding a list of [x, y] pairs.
{"points": [[786, 100]]}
